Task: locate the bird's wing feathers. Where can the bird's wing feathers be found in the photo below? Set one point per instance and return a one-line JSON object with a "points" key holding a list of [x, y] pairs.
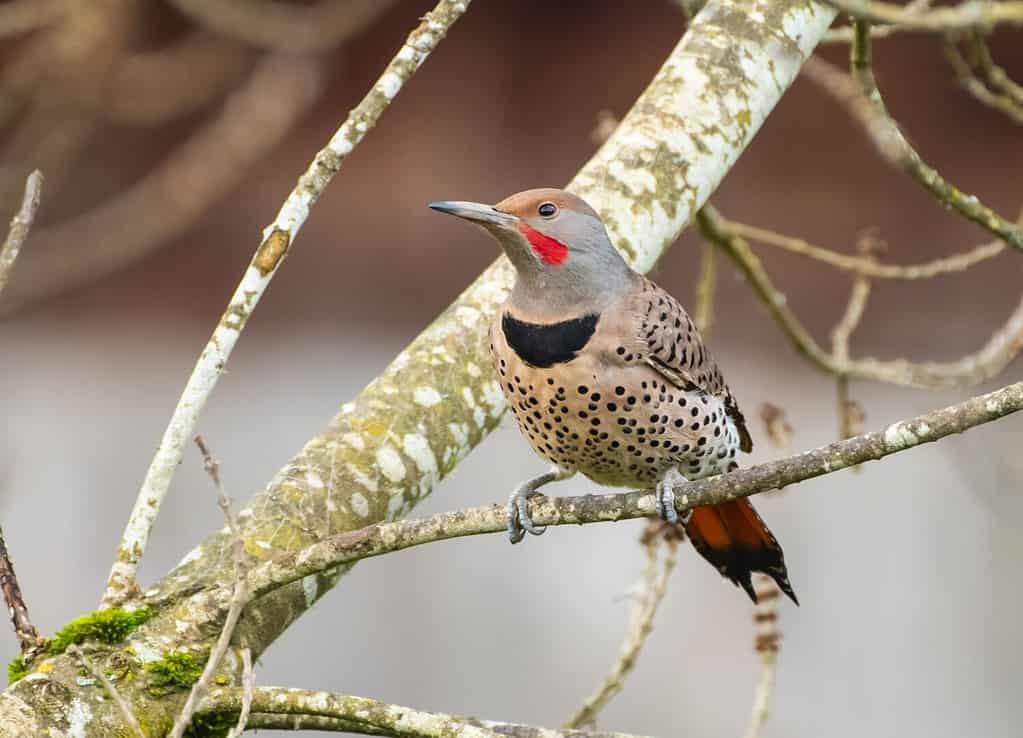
{"points": [[675, 349]]}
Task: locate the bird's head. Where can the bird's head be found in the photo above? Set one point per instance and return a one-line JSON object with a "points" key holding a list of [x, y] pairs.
{"points": [[557, 243]]}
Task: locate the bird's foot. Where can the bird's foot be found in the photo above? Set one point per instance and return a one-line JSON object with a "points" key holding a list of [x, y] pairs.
{"points": [[664, 497], [519, 521]]}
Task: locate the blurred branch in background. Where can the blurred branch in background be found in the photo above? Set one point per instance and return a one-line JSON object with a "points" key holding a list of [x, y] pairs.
{"points": [[20, 226], [970, 14], [648, 594], [22, 16], [982, 78], [766, 643], [277, 239]]}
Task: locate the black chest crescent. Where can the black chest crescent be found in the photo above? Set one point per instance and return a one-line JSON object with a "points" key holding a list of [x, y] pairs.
{"points": [[545, 344]]}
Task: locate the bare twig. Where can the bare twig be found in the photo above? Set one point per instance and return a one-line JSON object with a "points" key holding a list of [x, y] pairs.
{"points": [[705, 289], [368, 716], [767, 641], [861, 97], [28, 637], [1001, 348], [869, 267], [845, 35], [980, 90], [776, 424], [122, 704], [652, 586], [277, 239], [383, 538], [996, 76], [291, 28], [239, 598], [21, 224], [969, 14], [248, 689]]}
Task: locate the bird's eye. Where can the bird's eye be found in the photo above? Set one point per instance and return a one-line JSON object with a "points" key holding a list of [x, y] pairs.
{"points": [[547, 209]]}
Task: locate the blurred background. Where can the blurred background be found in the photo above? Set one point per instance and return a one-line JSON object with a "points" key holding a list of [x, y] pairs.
{"points": [[168, 145]]}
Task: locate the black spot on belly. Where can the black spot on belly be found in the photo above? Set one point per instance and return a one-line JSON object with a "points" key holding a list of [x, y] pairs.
{"points": [[545, 344]]}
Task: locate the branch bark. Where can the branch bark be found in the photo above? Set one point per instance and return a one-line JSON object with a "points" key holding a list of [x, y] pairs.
{"points": [[21, 224]]}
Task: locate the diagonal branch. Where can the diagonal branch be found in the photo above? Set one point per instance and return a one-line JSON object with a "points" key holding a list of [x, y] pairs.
{"points": [[21, 224], [277, 238], [28, 637]]}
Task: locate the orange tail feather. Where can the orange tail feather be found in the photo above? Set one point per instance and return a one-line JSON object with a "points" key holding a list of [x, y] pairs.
{"points": [[737, 542]]}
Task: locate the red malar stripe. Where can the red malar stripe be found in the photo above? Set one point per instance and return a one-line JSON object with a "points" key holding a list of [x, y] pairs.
{"points": [[550, 250]]}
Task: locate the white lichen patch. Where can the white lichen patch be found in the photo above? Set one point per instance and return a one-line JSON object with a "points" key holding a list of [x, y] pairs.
{"points": [[460, 432], [480, 417], [359, 504], [79, 717], [467, 396], [390, 464], [395, 504], [353, 440], [494, 397], [472, 370], [362, 478], [389, 84], [899, 436], [309, 589], [418, 449], [426, 396], [313, 479], [468, 316]]}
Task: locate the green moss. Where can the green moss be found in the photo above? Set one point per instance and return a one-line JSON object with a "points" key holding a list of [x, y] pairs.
{"points": [[106, 626], [178, 669], [211, 724], [16, 669]]}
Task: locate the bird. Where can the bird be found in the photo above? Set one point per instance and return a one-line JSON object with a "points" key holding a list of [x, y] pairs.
{"points": [[608, 376]]}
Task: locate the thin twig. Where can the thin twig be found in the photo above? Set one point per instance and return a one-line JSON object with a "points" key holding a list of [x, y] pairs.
{"points": [[652, 586], [861, 97], [997, 100], [1000, 349], [844, 35], [277, 239], [872, 268], [840, 335], [239, 596], [28, 637], [766, 643], [705, 290], [122, 704], [969, 14], [21, 224], [996, 76], [383, 538], [248, 688]]}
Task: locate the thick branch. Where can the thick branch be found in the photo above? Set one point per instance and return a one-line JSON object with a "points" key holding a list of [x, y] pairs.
{"points": [[362, 715], [410, 427]]}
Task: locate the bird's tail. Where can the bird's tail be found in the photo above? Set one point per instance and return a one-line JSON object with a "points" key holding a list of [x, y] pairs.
{"points": [[737, 542]]}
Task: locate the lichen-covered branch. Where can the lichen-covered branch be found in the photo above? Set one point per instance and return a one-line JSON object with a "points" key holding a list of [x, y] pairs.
{"points": [[385, 450], [368, 716], [378, 539], [1000, 349], [968, 14], [277, 239], [20, 226], [28, 637]]}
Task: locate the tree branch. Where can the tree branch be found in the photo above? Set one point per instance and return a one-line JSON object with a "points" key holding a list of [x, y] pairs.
{"points": [[969, 14], [368, 716], [20, 226], [383, 538], [277, 238], [1000, 349], [28, 637]]}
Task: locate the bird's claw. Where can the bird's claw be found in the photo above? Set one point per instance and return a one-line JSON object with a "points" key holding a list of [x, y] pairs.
{"points": [[664, 498], [519, 521]]}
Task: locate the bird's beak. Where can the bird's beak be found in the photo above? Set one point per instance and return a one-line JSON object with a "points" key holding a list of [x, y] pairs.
{"points": [[476, 212]]}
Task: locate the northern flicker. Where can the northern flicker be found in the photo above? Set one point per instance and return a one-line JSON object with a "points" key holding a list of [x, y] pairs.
{"points": [[608, 376]]}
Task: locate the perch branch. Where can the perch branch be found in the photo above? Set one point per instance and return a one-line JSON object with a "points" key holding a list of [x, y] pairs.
{"points": [[368, 716], [20, 226], [382, 538], [1000, 349], [277, 238]]}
